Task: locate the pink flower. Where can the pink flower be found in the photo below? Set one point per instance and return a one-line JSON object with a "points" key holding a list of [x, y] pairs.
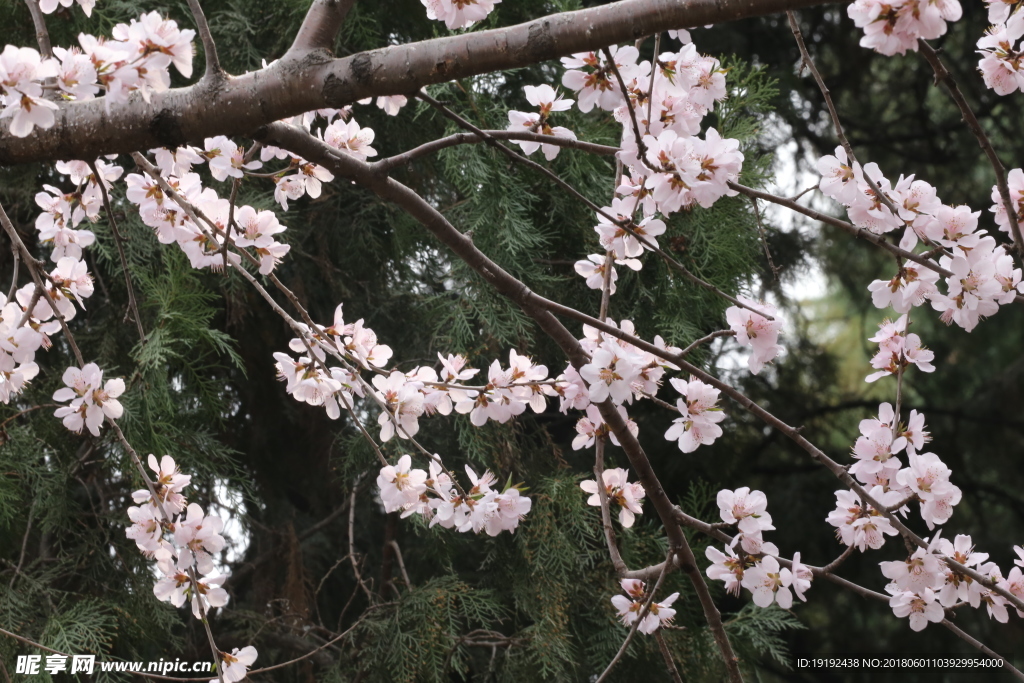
{"points": [[726, 567], [756, 331], [920, 607], [199, 535], [629, 497], [629, 608], [91, 399], [769, 582], [400, 485], [350, 139], [599, 86], [236, 664]]}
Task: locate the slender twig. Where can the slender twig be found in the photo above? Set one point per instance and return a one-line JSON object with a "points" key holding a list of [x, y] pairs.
{"points": [[636, 624], [836, 563], [982, 647], [860, 233], [942, 75], [640, 146], [14, 276], [625, 225], [703, 340], [322, 647], [401, 563], [27, 410], [809, 63], [390, 163], [132, 304], [39, 22], [906, 501], [606, 516], [213, 69], [686, 271], [764, 239], [666, 654], [801, 193], [24, 544], [351, 539]]}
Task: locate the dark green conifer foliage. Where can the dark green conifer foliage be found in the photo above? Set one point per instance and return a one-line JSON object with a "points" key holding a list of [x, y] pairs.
{"points": [[202, 388]]}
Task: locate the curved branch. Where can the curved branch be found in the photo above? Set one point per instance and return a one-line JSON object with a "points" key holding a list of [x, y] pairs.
{"points": [[39, 23], [307, 81], [943, 76], [385, 165], [213, 68], [321, 25]]}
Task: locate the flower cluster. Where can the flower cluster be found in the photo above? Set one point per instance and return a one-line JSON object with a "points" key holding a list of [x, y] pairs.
{"points": [[1000, 50], [755, 331], [618, 370], [183, 541], [438, 498], [983, 274], [618, 490], [756, 566], [925, 480], [669, 169], [218, 223], [29, 318], [925, 583], [898, 350], [894, 26], [547, 100], [22, 332], [857, 523], [63, 211], [138, 58], [91, 399], [630, 606]]}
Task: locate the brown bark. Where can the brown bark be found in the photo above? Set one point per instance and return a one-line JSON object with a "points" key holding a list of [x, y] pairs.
{"points": [[309, 79]]}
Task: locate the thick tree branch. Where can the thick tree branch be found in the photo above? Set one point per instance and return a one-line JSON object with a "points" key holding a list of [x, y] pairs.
{"points": [[303, 82]]}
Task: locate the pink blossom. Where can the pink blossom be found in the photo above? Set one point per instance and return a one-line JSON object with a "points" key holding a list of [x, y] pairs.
{"points": [[756, 331], [920, 607], [768, 582], [628, 496]]}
